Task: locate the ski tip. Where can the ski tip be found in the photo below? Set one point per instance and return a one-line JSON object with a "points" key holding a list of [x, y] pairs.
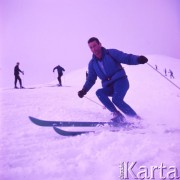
{"points": [[32, 119], [62, 132], [37, 121], [69, 133]]}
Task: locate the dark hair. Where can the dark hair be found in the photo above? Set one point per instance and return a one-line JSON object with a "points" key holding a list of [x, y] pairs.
{"points": [[93, 39]]}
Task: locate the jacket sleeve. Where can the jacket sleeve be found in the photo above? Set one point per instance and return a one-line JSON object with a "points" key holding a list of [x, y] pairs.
{"points": [[91, 79], [124, 58], [54, 68], [20, 70]]}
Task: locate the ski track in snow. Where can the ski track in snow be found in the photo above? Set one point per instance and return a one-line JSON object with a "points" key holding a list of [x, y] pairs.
{"points": [[33, 152]]}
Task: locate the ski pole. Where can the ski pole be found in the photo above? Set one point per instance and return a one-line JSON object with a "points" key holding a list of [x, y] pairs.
{"points": [[164, 76], [95, 102]]}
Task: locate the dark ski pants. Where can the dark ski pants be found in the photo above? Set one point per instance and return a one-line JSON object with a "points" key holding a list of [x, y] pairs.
{"points": [[117, 91], [17, 78], [59, 79]]}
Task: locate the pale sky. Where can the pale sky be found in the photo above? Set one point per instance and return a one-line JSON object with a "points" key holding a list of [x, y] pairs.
{"points": [[41, 34]]}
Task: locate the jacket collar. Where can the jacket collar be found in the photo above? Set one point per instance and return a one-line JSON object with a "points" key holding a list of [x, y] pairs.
{"points": [[104, 51]]}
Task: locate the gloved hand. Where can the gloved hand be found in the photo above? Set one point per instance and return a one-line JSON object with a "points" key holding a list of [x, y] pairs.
{"points": [[82, 93], [142, 60]]}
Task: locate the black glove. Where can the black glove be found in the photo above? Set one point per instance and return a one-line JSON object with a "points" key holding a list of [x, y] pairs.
{"points": [[142, 60], [82, 93]]}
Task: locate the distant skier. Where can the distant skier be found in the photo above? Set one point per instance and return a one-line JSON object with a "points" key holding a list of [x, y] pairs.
{"points": [[60, 73], [171, 74], [17, 77], [106, 64], [165, 72], [156, 67]]}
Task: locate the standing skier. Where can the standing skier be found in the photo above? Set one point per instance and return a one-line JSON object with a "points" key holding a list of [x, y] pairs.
{"points": [[156, 67], [17, 77], [106, 64], [60, 73], [171, 74]]}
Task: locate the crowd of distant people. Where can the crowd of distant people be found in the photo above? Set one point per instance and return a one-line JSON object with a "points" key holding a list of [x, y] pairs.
{"points": [[171, 74]]}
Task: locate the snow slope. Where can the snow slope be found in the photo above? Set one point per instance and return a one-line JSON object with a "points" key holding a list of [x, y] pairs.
{"points": [[32, 152]]}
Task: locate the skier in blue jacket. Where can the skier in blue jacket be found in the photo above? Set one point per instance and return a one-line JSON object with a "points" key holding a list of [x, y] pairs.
{"points": [[106, 64]]}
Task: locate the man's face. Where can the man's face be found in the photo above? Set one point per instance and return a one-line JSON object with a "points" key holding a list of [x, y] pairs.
{"points": [[95, 48]]}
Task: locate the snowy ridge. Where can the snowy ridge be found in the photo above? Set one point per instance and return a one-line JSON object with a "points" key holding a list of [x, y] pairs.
{"points": [[29, 152]]}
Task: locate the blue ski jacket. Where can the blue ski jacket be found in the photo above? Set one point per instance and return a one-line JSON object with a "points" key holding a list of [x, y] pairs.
{"points": [[111, 64]]}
